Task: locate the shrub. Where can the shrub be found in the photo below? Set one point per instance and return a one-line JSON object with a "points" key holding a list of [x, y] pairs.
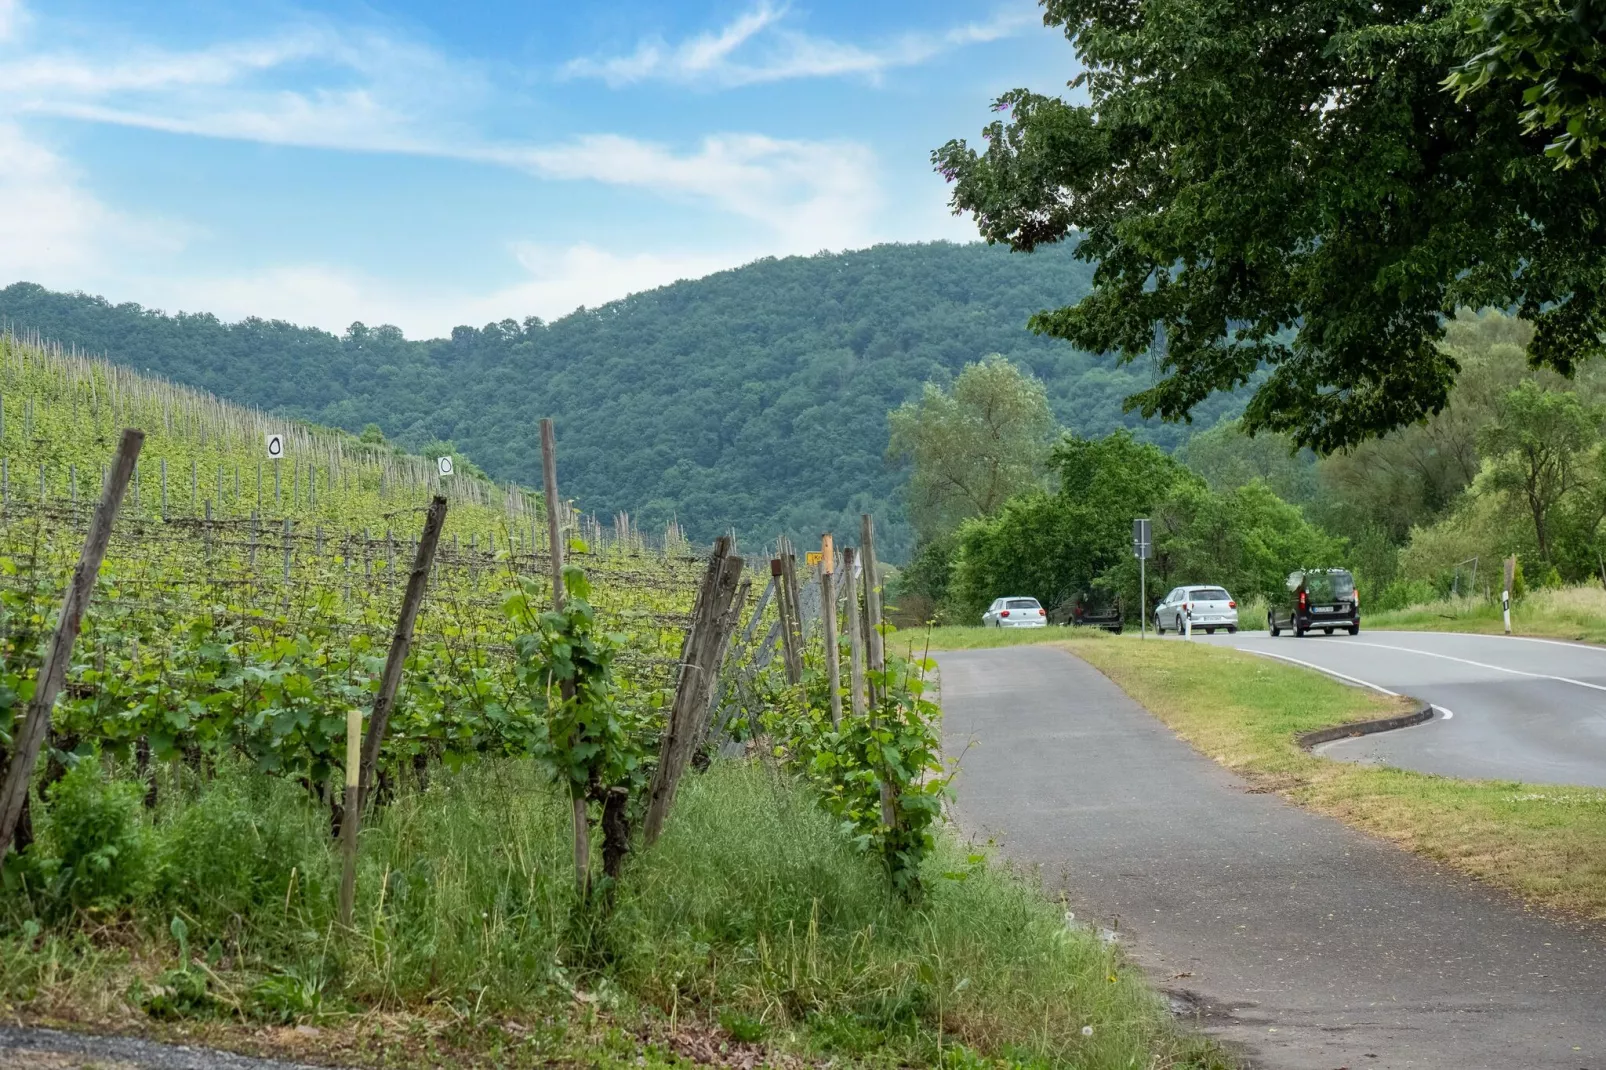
{"points": [[95, 850]]}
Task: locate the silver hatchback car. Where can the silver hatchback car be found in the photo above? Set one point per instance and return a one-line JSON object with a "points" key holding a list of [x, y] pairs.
{"points": [[1019, 612], [1209, 607]]}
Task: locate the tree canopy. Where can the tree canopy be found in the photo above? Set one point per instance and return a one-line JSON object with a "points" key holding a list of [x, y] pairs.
{"points": [[1288, 197], [970, 449]]}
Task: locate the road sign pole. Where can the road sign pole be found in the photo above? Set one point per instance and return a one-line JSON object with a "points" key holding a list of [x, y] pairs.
{"points": [[1141, 548]]}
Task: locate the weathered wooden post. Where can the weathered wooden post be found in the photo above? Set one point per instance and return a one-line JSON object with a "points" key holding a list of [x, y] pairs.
{"points": [[833, 657], [855, 631], [359, 781], [58, 655], [704, 643], [878, 655], [554, 527]]}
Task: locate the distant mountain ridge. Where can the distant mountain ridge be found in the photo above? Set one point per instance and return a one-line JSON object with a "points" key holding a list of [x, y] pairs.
{"points": [[752, 399]]}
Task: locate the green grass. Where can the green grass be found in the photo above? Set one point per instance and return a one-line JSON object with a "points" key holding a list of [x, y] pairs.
{"points": [[1577, 613], [975, 637], [753, 920], [1545, 843]]}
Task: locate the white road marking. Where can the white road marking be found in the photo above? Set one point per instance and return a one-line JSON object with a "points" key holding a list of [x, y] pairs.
{"points": [[1480, 664], [1329, 672]]}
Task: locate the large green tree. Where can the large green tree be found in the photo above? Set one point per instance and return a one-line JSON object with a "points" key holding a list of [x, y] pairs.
{"points": [[1536, 452], [1287, 196], [971, 448], [1053, 546]]}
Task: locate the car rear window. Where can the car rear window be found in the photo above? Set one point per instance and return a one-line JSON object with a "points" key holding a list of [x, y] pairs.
{"points": [[1335, 586], [1210, 594], [1022, 603]]}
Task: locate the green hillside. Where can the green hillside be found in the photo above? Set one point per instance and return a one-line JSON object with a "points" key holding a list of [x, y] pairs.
{"points": [[754, 398], [60, 417]]}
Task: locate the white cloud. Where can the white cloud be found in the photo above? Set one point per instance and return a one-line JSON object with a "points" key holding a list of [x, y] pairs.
{"points": [[556, 281], [813, 194], [54, 231], [368, 93], [780, 54], [12, 16]]}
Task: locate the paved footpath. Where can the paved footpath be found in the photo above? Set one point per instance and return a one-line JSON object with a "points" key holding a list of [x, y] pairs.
{"points": [[1311, 945]]}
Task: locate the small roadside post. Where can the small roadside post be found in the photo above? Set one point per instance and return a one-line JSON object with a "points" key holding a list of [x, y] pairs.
{"points": [[1505, 595], [1142, 549]]}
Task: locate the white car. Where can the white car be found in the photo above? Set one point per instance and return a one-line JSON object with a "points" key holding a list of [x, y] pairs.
{"points": [[1015, 613], [1209, 607]]}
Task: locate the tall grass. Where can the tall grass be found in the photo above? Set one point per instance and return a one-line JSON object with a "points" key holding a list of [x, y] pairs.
{"points": [[753, 912], [1561, 613]]}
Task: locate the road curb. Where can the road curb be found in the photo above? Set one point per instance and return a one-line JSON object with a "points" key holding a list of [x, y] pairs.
{"points": [[1311, 740]]}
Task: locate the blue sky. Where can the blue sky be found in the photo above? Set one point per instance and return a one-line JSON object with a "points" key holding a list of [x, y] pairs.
{"points": [[430, 164]]}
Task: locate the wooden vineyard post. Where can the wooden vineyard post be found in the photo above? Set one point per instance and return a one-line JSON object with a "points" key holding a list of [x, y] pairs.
{"points": [[58, 655], [833, 657], [855, 632], [554, 530], [359, 784], [878, 654], [783, 609], [727, 631], [699, 668], [872, 603]]}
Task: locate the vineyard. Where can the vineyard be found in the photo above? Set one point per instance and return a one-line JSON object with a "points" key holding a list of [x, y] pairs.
{"points": [[565, 683]]}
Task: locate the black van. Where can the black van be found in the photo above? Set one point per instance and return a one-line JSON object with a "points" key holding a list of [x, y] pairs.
{"points": [[1322, 598]]}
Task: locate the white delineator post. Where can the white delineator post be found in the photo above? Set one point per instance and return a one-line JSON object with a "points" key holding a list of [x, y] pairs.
{"points": [[1505, 595]]}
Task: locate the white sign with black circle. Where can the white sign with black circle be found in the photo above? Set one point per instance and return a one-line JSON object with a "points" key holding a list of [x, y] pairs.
{"points": [[275, 447], [444, 464]]}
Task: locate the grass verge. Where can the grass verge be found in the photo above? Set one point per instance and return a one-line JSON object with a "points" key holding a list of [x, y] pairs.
{"points": [[1546, 844], [1577, 613], [753, 931], [975, 637]]}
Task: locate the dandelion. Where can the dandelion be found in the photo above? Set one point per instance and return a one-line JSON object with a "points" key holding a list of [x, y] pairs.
{"points": [[1087, 1030]]}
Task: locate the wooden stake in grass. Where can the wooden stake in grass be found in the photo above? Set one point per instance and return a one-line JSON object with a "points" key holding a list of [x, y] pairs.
{"points": [[554, 527], [400, 640], [352, 817], [58, 656], [833, 658], [699, 668], [360, 765], [878, 654], [855, 632]]}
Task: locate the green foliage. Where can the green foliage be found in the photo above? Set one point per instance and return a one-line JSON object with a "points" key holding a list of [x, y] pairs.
{"points": [[754, 398], [752, 908], [566, 671], [1286, 197], [1534, 451], [1556, 54], [1226, 459], [1054, 546], [970, 449], [1247, 540], [93, 850]]}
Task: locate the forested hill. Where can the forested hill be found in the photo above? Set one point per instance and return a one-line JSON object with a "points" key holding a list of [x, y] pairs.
{"points": [[755, 398]]}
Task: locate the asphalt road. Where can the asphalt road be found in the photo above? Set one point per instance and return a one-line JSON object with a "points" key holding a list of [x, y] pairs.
{"points": [[1508, 708], [1313, 946], [50, 1049]]}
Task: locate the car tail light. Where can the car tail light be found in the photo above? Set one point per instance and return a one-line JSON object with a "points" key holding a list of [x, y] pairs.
{"points": [[1303, 599], [1232, 605], [1042, 612], [1356, 598], [1005, 613]]}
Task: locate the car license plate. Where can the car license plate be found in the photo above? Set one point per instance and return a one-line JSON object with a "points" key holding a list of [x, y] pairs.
{"points": [[1321, 609]]}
